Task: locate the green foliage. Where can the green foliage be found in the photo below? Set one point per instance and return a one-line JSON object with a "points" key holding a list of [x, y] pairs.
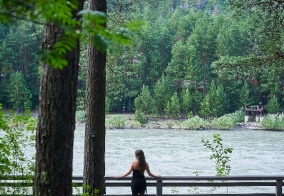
{"points": [[273, 106], [186, 101], [144, 102], [194, 123], [17, 136], [107, 105], [223, 122], [18, 94], [161, 95], [140, 117], [80, 116], [220, 154], [191, 45], [134, 124], [273, 122], [244, 95], [115, 122], [196, 102], [214, 102], [237, 116], [173, 106]]}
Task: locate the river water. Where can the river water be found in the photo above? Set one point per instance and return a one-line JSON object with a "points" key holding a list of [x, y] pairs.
{"points": [[181, 153]]}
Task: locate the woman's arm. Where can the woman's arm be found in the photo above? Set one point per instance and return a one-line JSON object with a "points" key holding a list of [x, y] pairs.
{"points": [[127, 173], [149, 172]]}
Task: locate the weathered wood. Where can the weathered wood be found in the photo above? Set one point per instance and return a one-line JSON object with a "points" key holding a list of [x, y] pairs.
{"points": [[174, 181], [279, 184]]}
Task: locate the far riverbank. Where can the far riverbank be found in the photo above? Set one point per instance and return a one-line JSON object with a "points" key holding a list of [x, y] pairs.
{"points": [[127, 121]]}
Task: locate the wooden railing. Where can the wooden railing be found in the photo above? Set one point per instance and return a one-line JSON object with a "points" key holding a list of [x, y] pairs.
{"points": [[205, 181], [178, 181]]}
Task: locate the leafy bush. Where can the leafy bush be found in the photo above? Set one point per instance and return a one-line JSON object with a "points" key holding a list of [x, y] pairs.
{"points": [[224, 122], [194, 123], [141, 117], [134, 124], [237, 116], [273, 122], [115, 122]]}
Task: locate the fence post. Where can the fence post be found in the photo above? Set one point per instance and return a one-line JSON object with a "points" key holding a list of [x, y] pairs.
{"points": [[159, 187], [279, 187]]}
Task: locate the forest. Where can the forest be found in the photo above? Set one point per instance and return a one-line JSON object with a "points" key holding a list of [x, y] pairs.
{"points": [[202, 57]]}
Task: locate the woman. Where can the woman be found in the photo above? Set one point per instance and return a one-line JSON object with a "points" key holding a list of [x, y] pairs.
{"points": [[138, 182]]}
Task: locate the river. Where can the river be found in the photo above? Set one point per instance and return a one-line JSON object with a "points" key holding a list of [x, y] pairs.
{"points": [[181, 152]]}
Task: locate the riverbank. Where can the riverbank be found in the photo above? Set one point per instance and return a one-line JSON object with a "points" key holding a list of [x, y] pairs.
{"points": [[127, 121]]}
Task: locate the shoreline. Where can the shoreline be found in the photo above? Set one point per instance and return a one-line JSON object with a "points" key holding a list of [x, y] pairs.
{"points": [[166, 123]]}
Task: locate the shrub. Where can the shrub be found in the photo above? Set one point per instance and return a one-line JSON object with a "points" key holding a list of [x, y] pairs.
{"points": [[141, 117], [134, 124], [273, 122], [224, 122], [194, 123], [237, 116], [115, 122]]}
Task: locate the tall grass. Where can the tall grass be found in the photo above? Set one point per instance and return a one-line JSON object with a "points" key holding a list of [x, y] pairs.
{"points": [[273, 122]]}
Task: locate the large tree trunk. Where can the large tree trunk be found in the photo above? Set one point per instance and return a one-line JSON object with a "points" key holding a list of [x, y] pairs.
{"points": [[94, 157], [56, 123]]}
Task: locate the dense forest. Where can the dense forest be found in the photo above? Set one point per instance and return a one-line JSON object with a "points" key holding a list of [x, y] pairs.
{"points": [[202, 57]]}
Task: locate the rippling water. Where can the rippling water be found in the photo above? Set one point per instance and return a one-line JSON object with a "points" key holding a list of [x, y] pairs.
{"points": [[181, 152]]}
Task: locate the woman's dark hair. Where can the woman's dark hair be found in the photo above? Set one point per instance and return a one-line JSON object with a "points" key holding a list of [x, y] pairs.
{"points": [[141, 159]]}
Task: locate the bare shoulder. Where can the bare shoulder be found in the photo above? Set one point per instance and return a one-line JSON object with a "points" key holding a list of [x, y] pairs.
{"points": [[134, 163]]}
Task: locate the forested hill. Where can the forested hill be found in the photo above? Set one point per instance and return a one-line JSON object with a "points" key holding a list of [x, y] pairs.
{"points": [[205, 57]]}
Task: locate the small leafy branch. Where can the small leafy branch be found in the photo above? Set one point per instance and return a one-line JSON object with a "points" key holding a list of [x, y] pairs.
{"points": [[219, 154]]}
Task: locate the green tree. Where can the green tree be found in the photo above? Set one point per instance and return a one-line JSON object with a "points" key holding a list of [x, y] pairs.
{"points": [[144, 102], [273, 106], [214, 102], [177, 68], [173, 107], [206, 110], [221, 102], [186, 101], [245, 95], [18, 93], [196, 101], [161, 95]]}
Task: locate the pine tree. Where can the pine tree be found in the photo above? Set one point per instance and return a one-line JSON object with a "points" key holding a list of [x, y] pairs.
{"points": [[244, 95], [161, 95], [175, 106], [186, 102], [18, 93], [144, 102], [273, 106]]}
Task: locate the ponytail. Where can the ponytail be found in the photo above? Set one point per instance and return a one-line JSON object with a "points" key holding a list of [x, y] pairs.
{"points": [[141, 160]]}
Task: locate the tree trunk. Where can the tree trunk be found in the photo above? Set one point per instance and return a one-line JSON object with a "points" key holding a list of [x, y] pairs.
{"points": [[56, 122], [94, 157]]}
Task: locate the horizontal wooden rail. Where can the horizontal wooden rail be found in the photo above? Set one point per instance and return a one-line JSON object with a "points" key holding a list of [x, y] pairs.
{"points": [[172, 181], [204, 181]]}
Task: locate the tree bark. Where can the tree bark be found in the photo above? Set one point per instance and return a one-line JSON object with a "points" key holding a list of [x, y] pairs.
{"points": [[94, 157], [56, 120]]}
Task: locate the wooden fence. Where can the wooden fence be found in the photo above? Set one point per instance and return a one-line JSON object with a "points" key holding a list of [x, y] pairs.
{"points": [[276, 182]]}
